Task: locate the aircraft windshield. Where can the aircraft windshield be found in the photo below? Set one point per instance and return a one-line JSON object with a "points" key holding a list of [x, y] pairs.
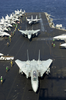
{"points": [[34, 76], [29, 33]]}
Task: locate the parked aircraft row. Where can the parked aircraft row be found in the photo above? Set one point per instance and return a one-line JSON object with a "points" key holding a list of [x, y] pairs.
{"points": [[8, 21], [6, 57], [61, 37]]}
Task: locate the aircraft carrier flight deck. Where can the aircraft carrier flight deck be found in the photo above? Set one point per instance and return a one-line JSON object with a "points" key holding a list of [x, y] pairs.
{"points": [[16, 86]]}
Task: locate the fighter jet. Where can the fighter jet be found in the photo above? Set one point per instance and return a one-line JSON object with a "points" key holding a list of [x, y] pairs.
{"points": [[23, 12], [2, 28], [1, 54], [9, 19], [16, 12], [60, 37], [34, 69], [63, 45], [4, 23], [19, 13], [29, 33], [30, 21], [4, 34]]}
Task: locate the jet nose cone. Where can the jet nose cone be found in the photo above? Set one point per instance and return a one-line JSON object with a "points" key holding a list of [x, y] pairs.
{"points": [[35, 87], [35, 90], [56, 37], [29, 36], [30, 22], [63, 45]]}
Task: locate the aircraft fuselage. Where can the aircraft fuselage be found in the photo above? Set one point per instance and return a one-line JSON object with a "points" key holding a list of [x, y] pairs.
{"points": [[34, 80]]}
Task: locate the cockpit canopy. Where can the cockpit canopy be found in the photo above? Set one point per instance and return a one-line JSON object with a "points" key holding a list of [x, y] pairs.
{"points": [[29, 33], [34, 76]]}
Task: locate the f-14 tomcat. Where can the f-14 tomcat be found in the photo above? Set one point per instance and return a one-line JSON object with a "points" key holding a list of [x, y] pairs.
{"points": [[60, 37], [30, 21], [34, 69], [29, 33], [63, 45], [4, 34]]}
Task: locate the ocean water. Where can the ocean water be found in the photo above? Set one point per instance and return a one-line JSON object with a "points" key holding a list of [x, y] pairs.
{"points": [[57, 8]]}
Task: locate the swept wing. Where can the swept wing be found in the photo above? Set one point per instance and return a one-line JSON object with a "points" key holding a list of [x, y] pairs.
{"points": [[35, 31], [24, 67], [23, 32], [29, 31], [27, 66], [43, 66]]}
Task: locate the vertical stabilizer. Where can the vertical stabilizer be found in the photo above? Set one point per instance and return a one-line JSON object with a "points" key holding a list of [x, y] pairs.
{"points": [[24, 11], [32, 17], [27, 55], [36, 16], [39, 55]]}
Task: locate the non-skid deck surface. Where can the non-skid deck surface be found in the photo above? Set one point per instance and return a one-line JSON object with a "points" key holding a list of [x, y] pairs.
{"points": [[15, 85]]}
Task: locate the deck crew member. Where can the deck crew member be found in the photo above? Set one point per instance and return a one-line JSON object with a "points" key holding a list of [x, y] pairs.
{"points": [[59, 45], [1, 80], [54, 45], [9, 38], [7, 43], [7, 69], [11, 63]]}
